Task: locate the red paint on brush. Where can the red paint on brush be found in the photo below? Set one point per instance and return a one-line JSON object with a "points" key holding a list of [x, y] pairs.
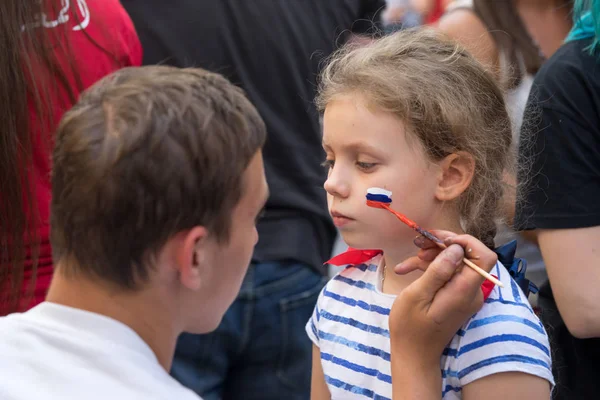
{"points": [[401, 217], [412, 224]]}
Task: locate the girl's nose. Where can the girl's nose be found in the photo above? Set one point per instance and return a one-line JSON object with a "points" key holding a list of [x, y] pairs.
{"points": [[336, 185]]}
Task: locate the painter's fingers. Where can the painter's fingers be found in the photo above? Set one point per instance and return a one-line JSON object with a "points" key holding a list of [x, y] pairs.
{"points": [[411, 264], [428, 249], [465, 281], [415, 263], [424, 243], [427, 253], [419, 262], [439, 272], [461, 295], [475, 251]]}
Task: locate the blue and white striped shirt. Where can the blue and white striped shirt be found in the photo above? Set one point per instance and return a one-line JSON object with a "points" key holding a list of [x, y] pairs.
{"points": [[350, 327]]}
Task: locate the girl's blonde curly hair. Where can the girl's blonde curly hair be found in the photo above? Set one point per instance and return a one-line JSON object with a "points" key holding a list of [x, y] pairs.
{"points": [[447, 101]]}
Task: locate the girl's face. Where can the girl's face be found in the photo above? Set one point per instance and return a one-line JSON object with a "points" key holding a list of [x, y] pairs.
{"points": [[369, 148]]}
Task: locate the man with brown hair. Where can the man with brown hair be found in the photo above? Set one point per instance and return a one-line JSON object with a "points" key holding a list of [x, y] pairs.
{"points": [[157, 184], [273, 50]]}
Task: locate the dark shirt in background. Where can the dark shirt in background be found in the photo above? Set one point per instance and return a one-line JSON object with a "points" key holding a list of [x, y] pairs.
{"points": [[272, 49], [561, 139]]}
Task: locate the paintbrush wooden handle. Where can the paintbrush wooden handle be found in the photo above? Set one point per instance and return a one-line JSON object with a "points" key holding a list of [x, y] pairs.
{"points": [[476, 268], [482, 272], [439, 242]]}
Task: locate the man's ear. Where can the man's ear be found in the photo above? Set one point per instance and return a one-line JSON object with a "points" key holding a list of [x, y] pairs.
{"points": [[191, 256], [456, 174]]}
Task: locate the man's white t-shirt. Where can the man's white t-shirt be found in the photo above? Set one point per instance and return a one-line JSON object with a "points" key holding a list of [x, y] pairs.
{"points": [[54, 352]]}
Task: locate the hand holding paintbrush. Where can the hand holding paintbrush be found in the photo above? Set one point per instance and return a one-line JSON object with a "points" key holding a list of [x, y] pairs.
{"points": [[381, 198]]}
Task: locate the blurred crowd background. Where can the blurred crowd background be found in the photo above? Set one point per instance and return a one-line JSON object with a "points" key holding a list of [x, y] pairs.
{"points": [[274, 49]]}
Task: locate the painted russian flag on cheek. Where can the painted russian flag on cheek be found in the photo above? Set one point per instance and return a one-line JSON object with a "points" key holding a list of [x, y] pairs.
{"points": [[379, 195]]}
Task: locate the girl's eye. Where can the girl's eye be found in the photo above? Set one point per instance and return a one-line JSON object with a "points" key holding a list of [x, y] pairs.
{"points": [[328, 163], [365, 166]]}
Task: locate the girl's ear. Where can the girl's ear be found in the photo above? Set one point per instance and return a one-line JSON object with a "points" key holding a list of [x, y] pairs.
{"points": [[456, 174]]}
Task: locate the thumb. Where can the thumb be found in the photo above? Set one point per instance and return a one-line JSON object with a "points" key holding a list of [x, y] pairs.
{"points": [[440, 271]]}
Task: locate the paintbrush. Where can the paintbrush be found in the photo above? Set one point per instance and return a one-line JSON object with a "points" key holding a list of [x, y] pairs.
{"points": [[382, 198]]}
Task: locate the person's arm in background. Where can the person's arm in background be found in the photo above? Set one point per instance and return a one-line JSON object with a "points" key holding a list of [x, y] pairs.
{"points": [[559, 194], [318, 386], [572, 258]]}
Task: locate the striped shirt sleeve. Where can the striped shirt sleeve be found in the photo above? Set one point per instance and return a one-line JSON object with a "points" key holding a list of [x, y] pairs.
{"points": [[312, 326], [505, 336]]}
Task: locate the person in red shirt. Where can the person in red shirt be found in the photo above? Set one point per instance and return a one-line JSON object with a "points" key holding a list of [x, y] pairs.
{"points": [[432, 10], [51, 51], [401, 14]]}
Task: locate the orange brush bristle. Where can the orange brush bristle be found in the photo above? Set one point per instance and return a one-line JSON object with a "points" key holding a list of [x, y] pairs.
{"points": [[401, 217]]}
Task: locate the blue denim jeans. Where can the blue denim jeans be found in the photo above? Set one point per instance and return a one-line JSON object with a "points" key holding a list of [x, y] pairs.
{"points": [[260, 350]]}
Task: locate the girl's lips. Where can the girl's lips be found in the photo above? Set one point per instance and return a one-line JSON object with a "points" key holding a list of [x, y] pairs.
{"points": [[341, 221]]}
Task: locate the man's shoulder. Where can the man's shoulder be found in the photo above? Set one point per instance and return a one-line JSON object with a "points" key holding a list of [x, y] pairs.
{"points": [[12, 326], [70, 367]]}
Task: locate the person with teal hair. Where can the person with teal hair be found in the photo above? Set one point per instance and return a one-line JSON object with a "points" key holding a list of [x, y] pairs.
{"points": [[586, 24], [559, 188]]}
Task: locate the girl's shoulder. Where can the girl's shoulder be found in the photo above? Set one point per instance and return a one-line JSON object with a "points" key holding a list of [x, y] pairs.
{"points": [[504, 336], [362, 276], [507, 311], [356, 286]]}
